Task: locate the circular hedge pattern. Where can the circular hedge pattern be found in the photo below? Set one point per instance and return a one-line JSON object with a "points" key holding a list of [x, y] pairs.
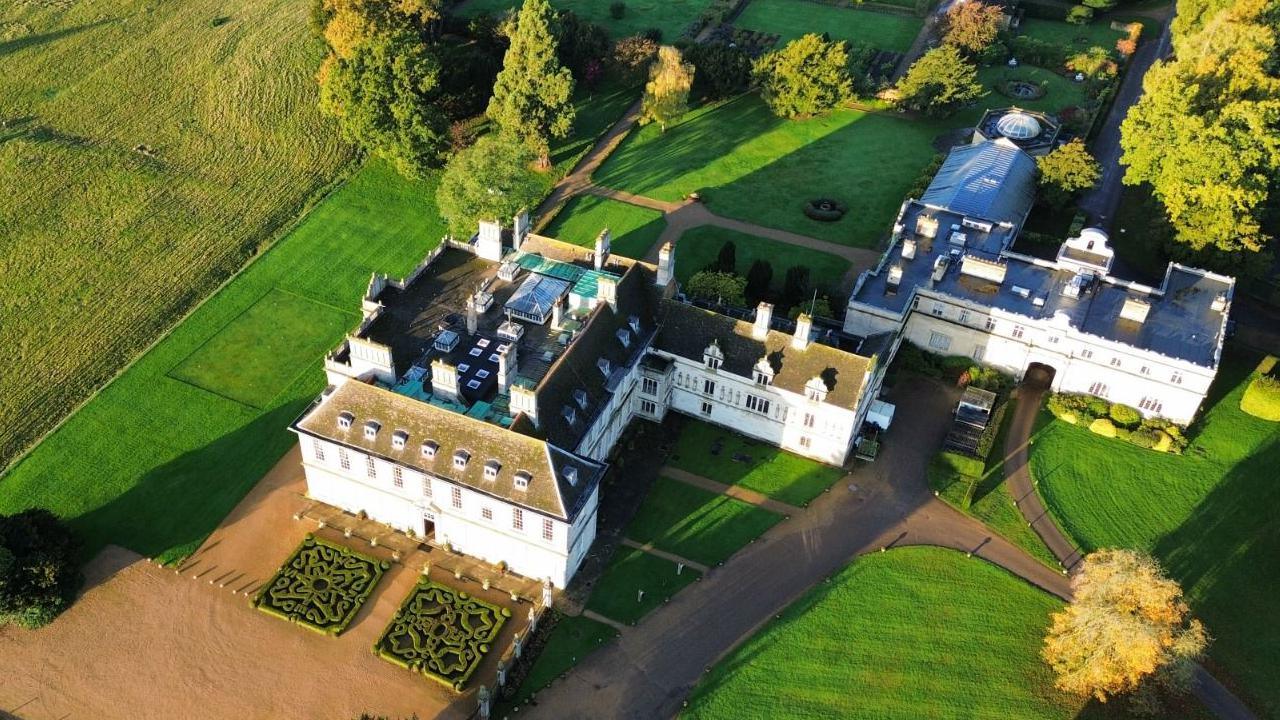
{"points": [[442, 633], [1023, 90], [825, 209]]}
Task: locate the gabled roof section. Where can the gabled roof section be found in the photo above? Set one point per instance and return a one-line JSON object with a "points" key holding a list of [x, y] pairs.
{"points": [[991, 180], [686, 331], [550, 492]]}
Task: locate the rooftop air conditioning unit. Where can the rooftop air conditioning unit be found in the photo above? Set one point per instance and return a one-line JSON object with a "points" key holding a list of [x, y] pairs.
{"points": [[1135, 309], [895, 278], [1219, 302], [958, 238], [1077, 285], [927, 226], [908, 249], [1021, 292], [940, 268]]}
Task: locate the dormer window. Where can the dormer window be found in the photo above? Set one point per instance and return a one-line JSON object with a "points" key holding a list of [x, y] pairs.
{"points": [[570, 415], [429, 449], [713, 356], [460, 459], [345, 419], [624, 337], [816, 389], [371, 429], [580, 397], [571, 474], [605, 366], [763, 372], [522, 480], [399, 438], [763, 378], [633, 322], [491, 469]]}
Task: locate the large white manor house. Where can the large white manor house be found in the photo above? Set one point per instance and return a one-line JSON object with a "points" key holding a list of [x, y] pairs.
{"points": [[478, 400]]}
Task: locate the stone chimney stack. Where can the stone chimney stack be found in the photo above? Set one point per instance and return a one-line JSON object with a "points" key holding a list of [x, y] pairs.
{"points": [[473, 316], [507, 364], [603, 241], [557, 316], [666, 265], [764, 316], [444, 380], [607, 290], [489, 241], [520, 229], [804, 328]]}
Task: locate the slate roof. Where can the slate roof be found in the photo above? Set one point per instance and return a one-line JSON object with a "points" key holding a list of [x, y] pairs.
{"points": [[686, 331], [993, 180], [549, 491]]}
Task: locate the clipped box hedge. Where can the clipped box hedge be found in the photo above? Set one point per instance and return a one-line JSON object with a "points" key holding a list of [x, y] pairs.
{"points": [[1261, 398], [321, 586]]}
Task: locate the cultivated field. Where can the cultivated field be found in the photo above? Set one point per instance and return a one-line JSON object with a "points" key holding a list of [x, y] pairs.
{"points": [[148, 149]]}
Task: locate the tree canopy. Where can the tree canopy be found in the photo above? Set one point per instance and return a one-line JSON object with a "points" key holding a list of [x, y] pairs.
{"points": [[971, 26], [39, 576], [532, 97], [490, 180], [1066, 171], [808, 77], [725, 288], [1206, 132], [383, 94], [666, 95], [940, 81], [1125, 623], [346, 23]]}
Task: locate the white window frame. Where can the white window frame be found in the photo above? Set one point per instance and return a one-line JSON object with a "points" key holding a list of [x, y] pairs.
{"points": [[939, 341]]}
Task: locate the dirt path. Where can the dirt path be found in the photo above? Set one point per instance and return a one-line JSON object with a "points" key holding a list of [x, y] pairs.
{"points": [[649, 671], [649, 548], [733, 491], [579, 179]]}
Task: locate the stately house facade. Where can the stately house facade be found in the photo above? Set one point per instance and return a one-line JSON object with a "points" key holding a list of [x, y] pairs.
{"points": [[478, 400], [953, 283]]}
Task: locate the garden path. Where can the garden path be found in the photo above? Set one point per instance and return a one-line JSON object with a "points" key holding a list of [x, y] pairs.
{"points": [[649, 548], [579, 178], [593, 615], [649, 670], [733, 491]]}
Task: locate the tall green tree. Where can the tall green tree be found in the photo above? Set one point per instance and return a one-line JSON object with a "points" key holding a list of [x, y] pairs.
{"points": [[1206, 132], [1066, 172], [39, 575], [384, 97], [972, 26], [532, 97], [940, 81], [666, 95], [490, 180], [808, 77]]}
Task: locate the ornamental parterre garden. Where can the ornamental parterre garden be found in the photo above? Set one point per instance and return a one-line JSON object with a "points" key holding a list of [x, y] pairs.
{"points": [[321, 587], [442, 633]]}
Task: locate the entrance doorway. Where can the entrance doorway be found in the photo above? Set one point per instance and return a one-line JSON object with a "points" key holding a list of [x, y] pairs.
{"points": [[1039, 376], [428, 526]]}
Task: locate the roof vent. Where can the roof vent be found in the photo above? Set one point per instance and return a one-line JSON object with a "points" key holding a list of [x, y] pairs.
{"points": [[927, 226], [1077, 285], [1219, 302], [345, 419], [1135, 309], [371, 429], [908, 249], [1020, 291], [940, 268], [958, 238], [571, 474], [522, 480], [429, 449], [399, 438], [580, 397], [446, 341], [894, 279]]}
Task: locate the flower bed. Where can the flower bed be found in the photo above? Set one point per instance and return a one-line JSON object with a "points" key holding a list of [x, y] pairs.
{"points": [[442, 633], [1114, 420], [321, 587]]}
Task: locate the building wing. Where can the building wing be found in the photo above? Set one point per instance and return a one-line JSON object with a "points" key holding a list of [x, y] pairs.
{"points": [[992, 180]]}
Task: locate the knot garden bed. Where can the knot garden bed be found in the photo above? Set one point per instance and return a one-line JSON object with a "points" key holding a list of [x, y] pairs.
{"points": [[321, 586], [442, 633]]}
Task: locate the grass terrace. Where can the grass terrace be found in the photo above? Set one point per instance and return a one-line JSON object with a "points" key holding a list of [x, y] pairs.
{"points": [[700, 246], [1060, 92], [748, 164], [573, 638], [716, 453], [629, 572], [669, 16], [321, 586], [696, 524], [442, 633], [1207, 515], [634, 229], [149, 150], [791, 19], [1080, 37]]}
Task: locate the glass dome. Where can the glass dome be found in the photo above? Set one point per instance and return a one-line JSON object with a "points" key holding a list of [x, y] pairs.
{"points": [[1018, 126]]}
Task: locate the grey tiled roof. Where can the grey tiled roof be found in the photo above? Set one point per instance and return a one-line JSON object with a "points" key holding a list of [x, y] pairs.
{"points": [[549, 491], [992, 180]]}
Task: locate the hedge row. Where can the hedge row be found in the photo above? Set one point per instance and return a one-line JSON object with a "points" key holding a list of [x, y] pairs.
{"points": [[1262, 397], [1115, 420]]}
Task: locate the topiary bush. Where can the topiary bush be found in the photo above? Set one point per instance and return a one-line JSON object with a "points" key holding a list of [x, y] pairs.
{"points": [[1125, 416], [825, 209], [1103, 427], [1097, 407], [1262, 397]]}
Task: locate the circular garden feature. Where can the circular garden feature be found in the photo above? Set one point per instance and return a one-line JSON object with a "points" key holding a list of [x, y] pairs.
{"points": [[1023, 90], [321, 586], [825, 209]]}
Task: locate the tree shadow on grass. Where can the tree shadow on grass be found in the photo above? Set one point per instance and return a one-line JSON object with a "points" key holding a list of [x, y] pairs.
{"points": [[9, 47]]}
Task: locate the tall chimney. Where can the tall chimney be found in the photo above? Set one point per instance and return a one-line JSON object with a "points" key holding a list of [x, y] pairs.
{"points": [[602, 247], [804, 327], [666, 265], [444, 380], [607, 290], [489, 241], [557, 315], [764, 316], [507, 364], [520, 229], [473, 317]]}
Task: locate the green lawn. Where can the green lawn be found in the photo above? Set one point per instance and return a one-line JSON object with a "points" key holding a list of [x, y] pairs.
{"points": [[750, 165], [633, 570], [1081, 37], [147, 153], [773, 472], [911, 633], [634, 229], [696, 524], [1207, 515], [792, 18], [950, 474], [1061, 92], [573, 638], [700, 247], [669, 16]]}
